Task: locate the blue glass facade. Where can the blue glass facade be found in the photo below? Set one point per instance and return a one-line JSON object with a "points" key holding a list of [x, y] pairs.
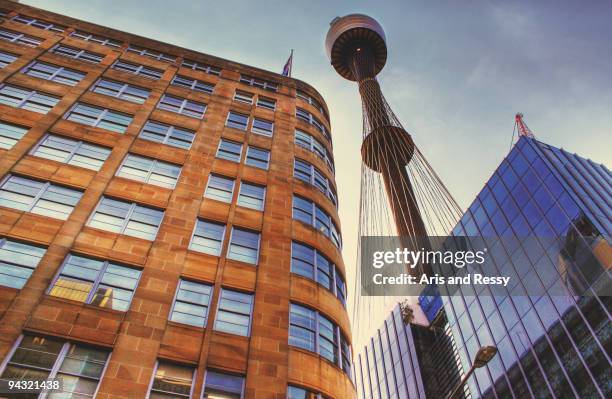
{"points": [[404, 360], [556, 344]]}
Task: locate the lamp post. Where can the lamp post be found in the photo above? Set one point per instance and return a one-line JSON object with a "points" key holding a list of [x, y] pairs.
{"points": [[483, 356]]}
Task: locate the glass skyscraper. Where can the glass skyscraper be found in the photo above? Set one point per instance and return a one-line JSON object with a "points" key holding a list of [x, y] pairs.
{"points": [[557, 206]]}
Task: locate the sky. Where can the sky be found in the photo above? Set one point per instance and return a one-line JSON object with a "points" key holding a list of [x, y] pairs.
{"points": [[456, 74]]}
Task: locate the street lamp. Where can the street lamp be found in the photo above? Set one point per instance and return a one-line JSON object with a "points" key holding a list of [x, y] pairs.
{"points": [[483, 356]]}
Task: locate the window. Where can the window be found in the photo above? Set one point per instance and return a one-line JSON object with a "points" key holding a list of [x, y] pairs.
{"points": [[345, 349], [312, 264], [6, 58], [265, 102], [151, 53], [126, 218], [38, 197], [223, 386], [37, 357], [308, 212], [17, 262], [229, 150], [191, 303], [305, 140], [20, 38], [258, 157], [252, 196], [95, 38], [121, 90], [167, 134], [310, 330], [237, 121], [149, 170], [207, 237], [196, 66], [234, 314], [54, 73], [220, 188], [77, 54], [182, 106], [244, 246], [262, 84], [308, 173], [31, 100], [263, 127], [10, 134], [304, 96], [38, 23], [193, 84], [311, 119], [171, 381], [99, 117], [70, 151], [137, 69], [243, 97], [300, 393], [96, 282]]}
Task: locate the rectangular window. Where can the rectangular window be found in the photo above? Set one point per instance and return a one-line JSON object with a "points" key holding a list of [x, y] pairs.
{"points": [[229, 150], [300, 393], [302, 327], [234, 314], [20, 38], [54, 73], [223, 386], [38, 197], [31, 100], [263, 127], [303, 210], [39, 357], [70, 151], [121, 90], [167, 134], [137, 69], [328, 341], [252, 196], [265, 102], [258, 157], [77, 54], [244, 246], [243, 97], [201, 67], [38, 23], [171, 381], [237, 121], [308, 173], [262, 84], [126, 218], [182, 106], [10, 134], [305, 140], [151, 53], [193, 84], [95, 38], [346, 355], [99, 117], [96, 282], [149, 170], [191, 303], [6, 59], [220, 188], [207, 237], [17, 262]]}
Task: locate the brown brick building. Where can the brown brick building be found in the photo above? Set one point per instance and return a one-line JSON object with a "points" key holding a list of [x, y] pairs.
{"points": [[168, 220]]}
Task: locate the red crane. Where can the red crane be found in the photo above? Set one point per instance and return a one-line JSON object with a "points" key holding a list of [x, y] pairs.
{"points": [[523, 129]]}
